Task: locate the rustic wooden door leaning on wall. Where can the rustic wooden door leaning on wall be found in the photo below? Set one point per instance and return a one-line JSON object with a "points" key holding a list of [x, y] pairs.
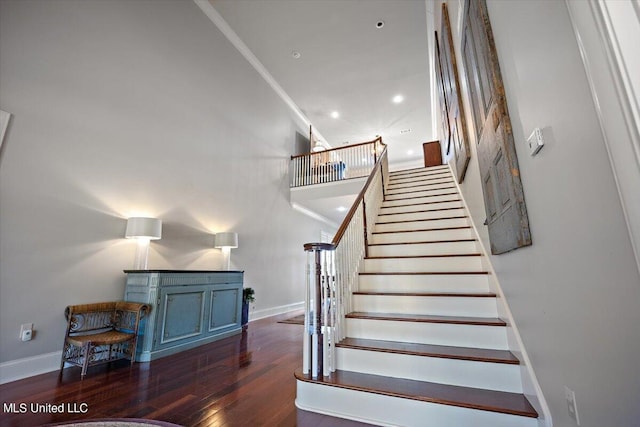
{"points": [[442, 100], [449, 86], [503, 195]]}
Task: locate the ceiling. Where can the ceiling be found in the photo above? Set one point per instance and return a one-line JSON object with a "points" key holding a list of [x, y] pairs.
{"points": [[346, 64]]}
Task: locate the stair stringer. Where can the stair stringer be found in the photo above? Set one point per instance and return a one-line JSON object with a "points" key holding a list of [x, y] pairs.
{"points": [[531, 386]]}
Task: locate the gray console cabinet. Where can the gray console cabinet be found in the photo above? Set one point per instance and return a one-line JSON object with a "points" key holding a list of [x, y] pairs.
{"points": [[189, 308]]}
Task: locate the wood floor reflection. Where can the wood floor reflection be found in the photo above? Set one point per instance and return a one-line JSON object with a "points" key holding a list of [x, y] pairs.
{"points": [[245, 380]]}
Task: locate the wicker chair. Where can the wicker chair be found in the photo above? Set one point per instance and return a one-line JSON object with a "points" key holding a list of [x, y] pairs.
{"points": [[101, 332]]}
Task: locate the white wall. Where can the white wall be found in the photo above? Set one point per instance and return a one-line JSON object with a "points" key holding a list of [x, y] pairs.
{"points": [[574, 293], [607, 33], [123, 108]]}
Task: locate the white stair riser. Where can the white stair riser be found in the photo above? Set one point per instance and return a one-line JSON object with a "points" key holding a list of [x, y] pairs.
{"points": [[463, 247], [417, 208], [419, 176], [426, 214], [425, 184], [437, 264], [412, 190], [393, 411], [420, 173], [419, 225], [421, 200], [438, 306], [425, 193], [430, 169], [429, 333], [465, 373], [422, 236], [424, 283]]}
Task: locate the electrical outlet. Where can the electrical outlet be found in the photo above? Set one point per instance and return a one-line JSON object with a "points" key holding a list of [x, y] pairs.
{"points": [[571, 404], [26, 331]]}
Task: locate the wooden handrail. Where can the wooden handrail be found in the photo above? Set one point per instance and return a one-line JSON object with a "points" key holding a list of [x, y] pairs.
{"points": [[344, 147], [354, 207]]}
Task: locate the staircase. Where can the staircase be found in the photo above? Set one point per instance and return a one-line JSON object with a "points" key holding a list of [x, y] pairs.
{"points": [[425, 345]]}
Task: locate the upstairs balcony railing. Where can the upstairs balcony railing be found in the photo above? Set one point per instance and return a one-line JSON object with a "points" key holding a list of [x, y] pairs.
{"points": [[336, 164], [332, 273]]}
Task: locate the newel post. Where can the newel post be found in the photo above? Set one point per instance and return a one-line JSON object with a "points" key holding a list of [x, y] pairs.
{"points": [[316, 304]]}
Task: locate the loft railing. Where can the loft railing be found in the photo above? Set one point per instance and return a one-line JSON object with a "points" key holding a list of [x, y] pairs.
{"points": [[332, 273], [352, 161]]}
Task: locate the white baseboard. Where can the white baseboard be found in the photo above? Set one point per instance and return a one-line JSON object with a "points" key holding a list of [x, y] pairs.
{"points": [[18, 369], [268, 312]]}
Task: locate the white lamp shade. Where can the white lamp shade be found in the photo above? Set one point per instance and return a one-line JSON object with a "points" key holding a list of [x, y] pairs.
{"points": [[226, 240], [150, 228]]}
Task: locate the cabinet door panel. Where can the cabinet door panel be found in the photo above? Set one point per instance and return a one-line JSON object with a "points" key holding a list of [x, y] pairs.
{"points": [[181, 315], [224, 309]]}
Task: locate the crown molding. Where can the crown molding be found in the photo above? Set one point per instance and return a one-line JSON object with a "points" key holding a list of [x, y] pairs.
{"points": [[244, 50]]}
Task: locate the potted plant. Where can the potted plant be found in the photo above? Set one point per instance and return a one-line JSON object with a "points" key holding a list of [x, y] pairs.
{"points": [[248, 296]]}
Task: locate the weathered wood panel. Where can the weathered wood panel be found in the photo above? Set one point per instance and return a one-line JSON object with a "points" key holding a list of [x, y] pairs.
{"points": [[455, 119], [503, 195]]}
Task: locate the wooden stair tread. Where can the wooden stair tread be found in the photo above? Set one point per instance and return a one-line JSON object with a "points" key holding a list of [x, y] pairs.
{"points": [[422, 197], [423, 256], [424, 242], [399, 182], [445, 187], [466, 397], [396, 176], [404, 221], [427, 318], [416, 204], [430, 350], [409, 273], [401, 186], [411, 171], [420, 168], [420, 180], [421, 211], [430, 294], [423, 229]]}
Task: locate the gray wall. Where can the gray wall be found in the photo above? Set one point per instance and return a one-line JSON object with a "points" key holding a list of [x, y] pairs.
{"points": [[575, 292], [125, 108]]}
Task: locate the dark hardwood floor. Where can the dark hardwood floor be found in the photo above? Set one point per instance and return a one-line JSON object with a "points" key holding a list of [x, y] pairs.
{"points": [[245, 380]]}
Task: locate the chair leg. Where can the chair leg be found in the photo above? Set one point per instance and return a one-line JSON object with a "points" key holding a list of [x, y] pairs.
{"points": [[64, 352], [85, 362], [133, 345]]}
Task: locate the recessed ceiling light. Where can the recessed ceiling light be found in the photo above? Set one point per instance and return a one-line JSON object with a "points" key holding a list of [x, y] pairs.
{"points": [[295, 54], [398, 99], [341, 209], [380, 24], [335, 114], [410, 152]]}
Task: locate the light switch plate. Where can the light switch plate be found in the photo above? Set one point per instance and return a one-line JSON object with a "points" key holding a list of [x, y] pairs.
{"points": [[535, 141]]}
